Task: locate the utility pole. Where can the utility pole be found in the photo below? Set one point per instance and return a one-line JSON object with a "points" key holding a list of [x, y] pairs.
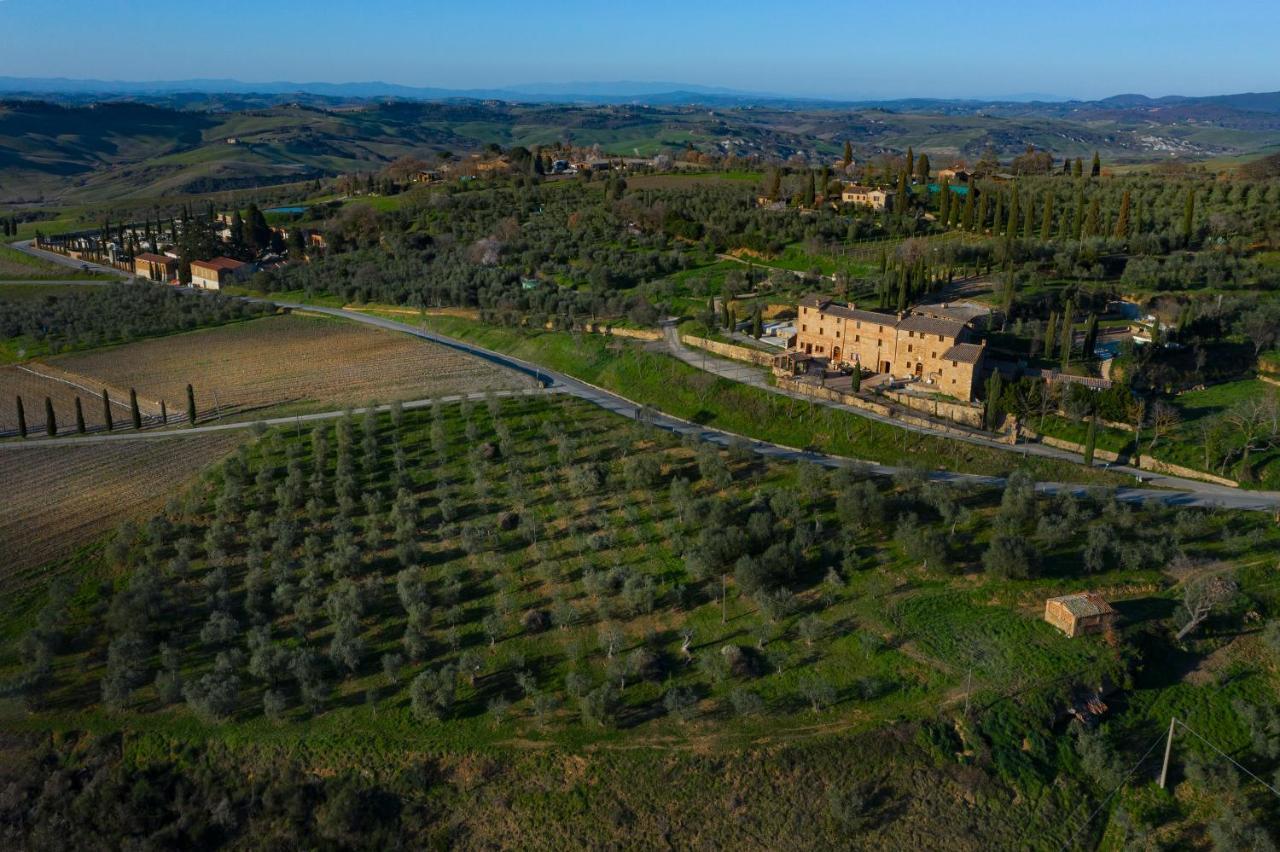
{"points": [[1168, 750]]}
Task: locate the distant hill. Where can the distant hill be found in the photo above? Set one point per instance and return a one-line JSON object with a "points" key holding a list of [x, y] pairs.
{"points": [[67, 147]]}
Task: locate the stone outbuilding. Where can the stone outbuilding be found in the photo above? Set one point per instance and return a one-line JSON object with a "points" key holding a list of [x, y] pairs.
{"points": [[1079, 614]]}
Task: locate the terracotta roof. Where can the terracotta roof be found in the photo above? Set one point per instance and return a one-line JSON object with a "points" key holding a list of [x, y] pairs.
{"points": [[958, 311], [218, 263], [1083, 604], [932, 325], [1088, 381], [148, 257], [965, 353]]}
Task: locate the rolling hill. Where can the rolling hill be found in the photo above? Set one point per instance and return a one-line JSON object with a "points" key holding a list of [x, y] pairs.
{"points": [[177, 143]]}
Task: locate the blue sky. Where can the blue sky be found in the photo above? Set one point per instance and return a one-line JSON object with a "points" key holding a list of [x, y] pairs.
{"points": [[849, 49]]}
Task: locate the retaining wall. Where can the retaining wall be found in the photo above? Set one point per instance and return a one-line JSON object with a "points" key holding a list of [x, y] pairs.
{"points": [[956, 412], [729, 350]]}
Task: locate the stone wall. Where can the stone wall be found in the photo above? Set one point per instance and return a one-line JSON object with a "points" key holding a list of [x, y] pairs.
{"points": [[853, 401], [956, 412], [1144, 463], [729, 350]]}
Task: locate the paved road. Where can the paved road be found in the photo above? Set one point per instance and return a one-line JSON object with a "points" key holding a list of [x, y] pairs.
{"points": [[62, 260], [1197, 494], [1185, 493], [747, 374]]}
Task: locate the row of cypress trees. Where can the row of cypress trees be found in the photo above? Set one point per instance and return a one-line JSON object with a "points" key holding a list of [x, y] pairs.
{"points": [[51, 420]]}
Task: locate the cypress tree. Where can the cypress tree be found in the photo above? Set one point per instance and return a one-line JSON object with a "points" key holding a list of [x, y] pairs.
{"points": [[982, 212], [944, 202], [1046, 221], [1090, 335], [164, 413], [1029, 218], [997, 219], [904, 192], [922, 168], [1122, 218], [1051, 334], [80, 417], [50, 420], [1096, 168], [775, 184], [1066, 166], [902, 291], [856, 378], [133, 409], [848, 153], [995, 388], [22, 418], [106, 410], [1068, 333], [810, 193], [191, 405], [966, 221], [1011, 226], [1091, 221], [1090, 440], [1077, 223], [1077, 168], [757, 324]]}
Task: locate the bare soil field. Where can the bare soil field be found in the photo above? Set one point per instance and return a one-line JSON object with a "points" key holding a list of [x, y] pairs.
{"points": [[285, 361], [59, 498]]}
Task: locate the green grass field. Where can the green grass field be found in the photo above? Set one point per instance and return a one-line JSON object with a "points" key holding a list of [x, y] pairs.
{"points": [[550, 585]]}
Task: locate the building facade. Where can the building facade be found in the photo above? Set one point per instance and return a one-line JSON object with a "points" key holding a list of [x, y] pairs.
{"points": [[155, 267], [876, 199], [932, 345], [217, 273]]}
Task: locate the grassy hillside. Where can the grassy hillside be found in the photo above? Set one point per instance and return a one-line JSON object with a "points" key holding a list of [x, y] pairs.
{"points": [[528, 623]]}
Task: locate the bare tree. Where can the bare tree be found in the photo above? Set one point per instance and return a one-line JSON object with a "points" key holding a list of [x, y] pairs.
{"points": [[1202, 595], [1164, 420]]}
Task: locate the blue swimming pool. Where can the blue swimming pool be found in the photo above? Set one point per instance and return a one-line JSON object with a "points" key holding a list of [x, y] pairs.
{"points": [[287, 210]]}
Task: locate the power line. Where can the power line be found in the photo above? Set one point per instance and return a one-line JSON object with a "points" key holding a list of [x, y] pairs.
{"points": [[1142, 759], [1103, 803], [1230, 758]]}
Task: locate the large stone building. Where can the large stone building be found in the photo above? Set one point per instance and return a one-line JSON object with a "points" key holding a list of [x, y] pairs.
{"points": [[933, 344], [866, 196]]}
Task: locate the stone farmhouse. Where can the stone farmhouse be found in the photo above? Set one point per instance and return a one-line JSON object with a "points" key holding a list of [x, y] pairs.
{"points": [[933, 344], [867, 196], [1079, 614]]}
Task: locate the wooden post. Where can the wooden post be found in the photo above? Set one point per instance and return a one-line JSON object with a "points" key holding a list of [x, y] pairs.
{"points": [[1168, 750]]}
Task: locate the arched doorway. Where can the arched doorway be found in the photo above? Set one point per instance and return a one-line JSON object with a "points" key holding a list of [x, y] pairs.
{"points": [[835, 354]]}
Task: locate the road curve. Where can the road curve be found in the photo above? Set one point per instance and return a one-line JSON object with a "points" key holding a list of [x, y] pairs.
{"points": [[1208, 497], [1180, 493]]}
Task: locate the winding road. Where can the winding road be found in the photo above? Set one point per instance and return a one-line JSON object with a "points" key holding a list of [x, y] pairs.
{"points": [[1178, 492]]}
